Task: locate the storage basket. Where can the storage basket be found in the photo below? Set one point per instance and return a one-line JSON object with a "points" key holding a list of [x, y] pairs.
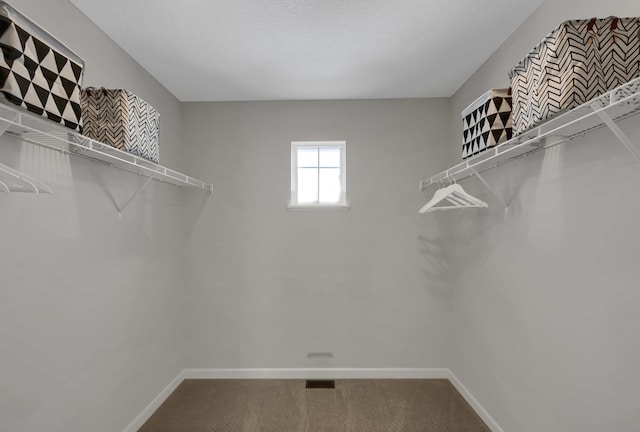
{"points": [[486, 122], [122, 120], [37, 71], [578, 61]]}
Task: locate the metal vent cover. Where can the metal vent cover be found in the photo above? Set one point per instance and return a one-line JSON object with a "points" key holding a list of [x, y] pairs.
{"points": [[320, 384]]}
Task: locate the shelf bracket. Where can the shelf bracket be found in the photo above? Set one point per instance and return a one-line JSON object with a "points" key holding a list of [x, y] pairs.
{"points": [[492, 190], [624, 139], [134, 196], [4, 125]]}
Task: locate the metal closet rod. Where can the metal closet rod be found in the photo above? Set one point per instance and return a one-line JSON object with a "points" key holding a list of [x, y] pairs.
{"points": [[475, 171], [99, 161], [135, 165]]}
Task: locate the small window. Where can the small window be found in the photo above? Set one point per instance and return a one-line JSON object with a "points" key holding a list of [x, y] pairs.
{"points": [[318, 174]]}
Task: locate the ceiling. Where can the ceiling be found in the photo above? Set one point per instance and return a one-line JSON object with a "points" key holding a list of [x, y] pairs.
{"points": [[224, 50]]}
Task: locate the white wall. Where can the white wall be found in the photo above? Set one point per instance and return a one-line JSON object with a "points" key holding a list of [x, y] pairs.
{"points": [[546, 307], [91, 316], [269, 285]]}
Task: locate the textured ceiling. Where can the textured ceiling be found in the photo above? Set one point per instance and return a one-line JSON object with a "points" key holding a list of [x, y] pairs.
{"points": [[221, 50]]}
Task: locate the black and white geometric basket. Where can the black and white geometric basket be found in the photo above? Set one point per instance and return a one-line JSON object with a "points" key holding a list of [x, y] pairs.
{"points": [[37, 71], [486, 122]]}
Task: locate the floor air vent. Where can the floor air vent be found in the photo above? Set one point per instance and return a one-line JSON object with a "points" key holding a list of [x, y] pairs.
{"points": [[320, 384]]}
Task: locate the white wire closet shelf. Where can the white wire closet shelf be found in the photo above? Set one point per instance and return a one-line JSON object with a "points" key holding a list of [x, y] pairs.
{"points": [[40, 131], [604, 110]]}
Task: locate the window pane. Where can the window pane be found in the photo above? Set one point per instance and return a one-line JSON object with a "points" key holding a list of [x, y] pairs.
{"points": [[329, 185], [307, 185], [307, 157], [330, 157]]}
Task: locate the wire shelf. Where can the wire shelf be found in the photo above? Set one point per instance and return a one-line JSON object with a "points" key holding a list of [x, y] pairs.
{"points": [[604, 110], [42, 132]]}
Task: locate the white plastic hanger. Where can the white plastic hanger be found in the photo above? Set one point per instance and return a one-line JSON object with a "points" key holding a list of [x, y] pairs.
{"points": [[453, 194], [14, 181]]}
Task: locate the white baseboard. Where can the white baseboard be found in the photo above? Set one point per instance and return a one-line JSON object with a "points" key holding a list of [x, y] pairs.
{"points": [[319, 373], [154, 405], [477, 407]]}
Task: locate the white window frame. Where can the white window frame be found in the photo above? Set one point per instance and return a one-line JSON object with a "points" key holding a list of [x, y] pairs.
{"points": [[293, 201]]}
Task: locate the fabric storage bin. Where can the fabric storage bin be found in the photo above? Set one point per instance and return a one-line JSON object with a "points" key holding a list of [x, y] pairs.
{"points": [[576, 62], [486, 122], [38, 72], [122, 120]]}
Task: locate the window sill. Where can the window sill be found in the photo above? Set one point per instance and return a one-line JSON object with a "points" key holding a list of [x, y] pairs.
{"points": [[320, 207]]}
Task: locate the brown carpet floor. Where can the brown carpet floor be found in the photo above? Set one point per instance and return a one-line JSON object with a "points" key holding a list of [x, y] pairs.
{"points": [[286, 406]]}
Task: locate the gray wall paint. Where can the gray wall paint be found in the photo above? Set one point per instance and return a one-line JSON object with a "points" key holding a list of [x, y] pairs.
{"points": [[535, 313], [270, 285], [546, 306], [91, 316]]}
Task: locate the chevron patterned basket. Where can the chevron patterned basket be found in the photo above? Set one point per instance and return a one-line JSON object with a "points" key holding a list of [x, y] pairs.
{"points": [[486, 122], [122, 120], [578, 61]]}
